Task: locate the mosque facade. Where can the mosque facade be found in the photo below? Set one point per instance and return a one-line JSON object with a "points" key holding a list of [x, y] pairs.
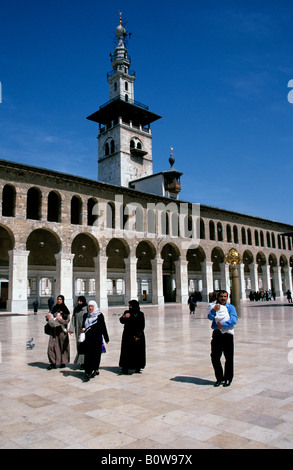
{"points": [[127, 235]]}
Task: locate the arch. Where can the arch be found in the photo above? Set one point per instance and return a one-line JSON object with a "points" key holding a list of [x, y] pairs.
{"points": [[243, 236], [33, 204], [85, 248], [261, 258], [283, 261], [235, 234], [8, 201], [110, 215], [273, 240], [219, 232], [92, 211], [54, 207], [165, 222], [202, 230], [273, 260], [133, 217], [256, 238], [6, 244], [247, 259], [117, 249], [212, 230], [169, 253], [268, 240], [249, 237], [217, 257], [43, 244], [229, 233], [262, 240], [76, 210], [195, 256], [151, 221], [145, 251]]}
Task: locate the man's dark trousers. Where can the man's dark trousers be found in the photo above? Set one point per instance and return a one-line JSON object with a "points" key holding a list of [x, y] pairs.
{"points": [[222, 343]]}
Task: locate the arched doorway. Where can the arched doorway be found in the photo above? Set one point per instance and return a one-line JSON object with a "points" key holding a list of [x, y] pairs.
{"points": [[145, 252], [42, 245], [85, 249], [116, 251], [6, 244], [169, 254]]}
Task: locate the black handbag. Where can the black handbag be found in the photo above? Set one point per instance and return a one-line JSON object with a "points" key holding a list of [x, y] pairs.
{"points": [[47, 329]]}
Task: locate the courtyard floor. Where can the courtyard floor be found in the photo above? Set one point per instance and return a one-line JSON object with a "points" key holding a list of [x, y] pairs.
{"points": [[172, 404]]}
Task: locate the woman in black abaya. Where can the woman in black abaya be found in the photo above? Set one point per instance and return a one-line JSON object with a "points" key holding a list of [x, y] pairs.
{"points": [[95, 329], [133, 347]]}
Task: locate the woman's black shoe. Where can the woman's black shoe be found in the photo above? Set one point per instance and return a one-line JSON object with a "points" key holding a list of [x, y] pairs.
{"points": [[51, 366], [86, 378]]}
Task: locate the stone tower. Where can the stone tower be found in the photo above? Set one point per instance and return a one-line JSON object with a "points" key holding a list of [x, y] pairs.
{"points": [[124, 140]]}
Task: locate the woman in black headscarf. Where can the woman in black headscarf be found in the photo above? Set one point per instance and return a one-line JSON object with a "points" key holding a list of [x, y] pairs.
{"points": [[58, 347], [132, 354], [76, 325]]}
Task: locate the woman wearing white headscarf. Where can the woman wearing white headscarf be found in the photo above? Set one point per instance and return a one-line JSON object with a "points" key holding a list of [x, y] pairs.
{"points": [[95, 329]]}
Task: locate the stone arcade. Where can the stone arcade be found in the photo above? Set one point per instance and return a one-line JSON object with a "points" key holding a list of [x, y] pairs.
{"points": [[127, 235]]}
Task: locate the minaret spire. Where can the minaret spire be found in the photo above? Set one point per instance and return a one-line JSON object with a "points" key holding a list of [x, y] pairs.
{"points": [[125, 140]]}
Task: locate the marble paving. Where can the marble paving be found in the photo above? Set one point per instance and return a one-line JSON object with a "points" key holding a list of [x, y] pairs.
{"points": [[172, 404]]}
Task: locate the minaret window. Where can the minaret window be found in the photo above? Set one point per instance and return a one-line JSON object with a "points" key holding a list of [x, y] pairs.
{"points": [[115, 86], [112, 146], [126, 86], [106, 149], [126, 97]]}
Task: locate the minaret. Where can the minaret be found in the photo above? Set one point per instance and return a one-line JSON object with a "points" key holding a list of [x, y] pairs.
{"points": [[124, 140]]}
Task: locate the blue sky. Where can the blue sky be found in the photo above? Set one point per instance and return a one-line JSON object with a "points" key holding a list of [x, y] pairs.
{"points": [[216, 71]]}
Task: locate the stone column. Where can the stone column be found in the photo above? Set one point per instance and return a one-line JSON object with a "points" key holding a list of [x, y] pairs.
{"points": [[130, 278], [181, 281], [242, 281], [101, 281], [17, 291], [267, 276], [157, 281], [288, 278], [278, 281], [254, 276], [207, 277], [64, 277], [225, 277]]}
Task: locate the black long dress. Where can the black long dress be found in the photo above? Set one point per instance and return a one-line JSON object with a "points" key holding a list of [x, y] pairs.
{"points": [[92, 346], [133, 354]]}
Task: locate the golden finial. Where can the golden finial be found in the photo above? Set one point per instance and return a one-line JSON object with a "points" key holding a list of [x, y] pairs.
{"points": [[233, 257], [120, 17]]}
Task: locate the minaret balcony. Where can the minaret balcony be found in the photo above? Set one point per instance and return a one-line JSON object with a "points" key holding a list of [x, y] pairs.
{"points": [[110, 74]]}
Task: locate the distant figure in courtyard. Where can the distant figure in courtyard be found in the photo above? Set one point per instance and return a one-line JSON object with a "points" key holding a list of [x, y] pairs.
{"points": [[95, 329], [223, 340], [192, 301], [133, 354], [35, 305], [58, 347], [289, 296], [76, 326]]}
